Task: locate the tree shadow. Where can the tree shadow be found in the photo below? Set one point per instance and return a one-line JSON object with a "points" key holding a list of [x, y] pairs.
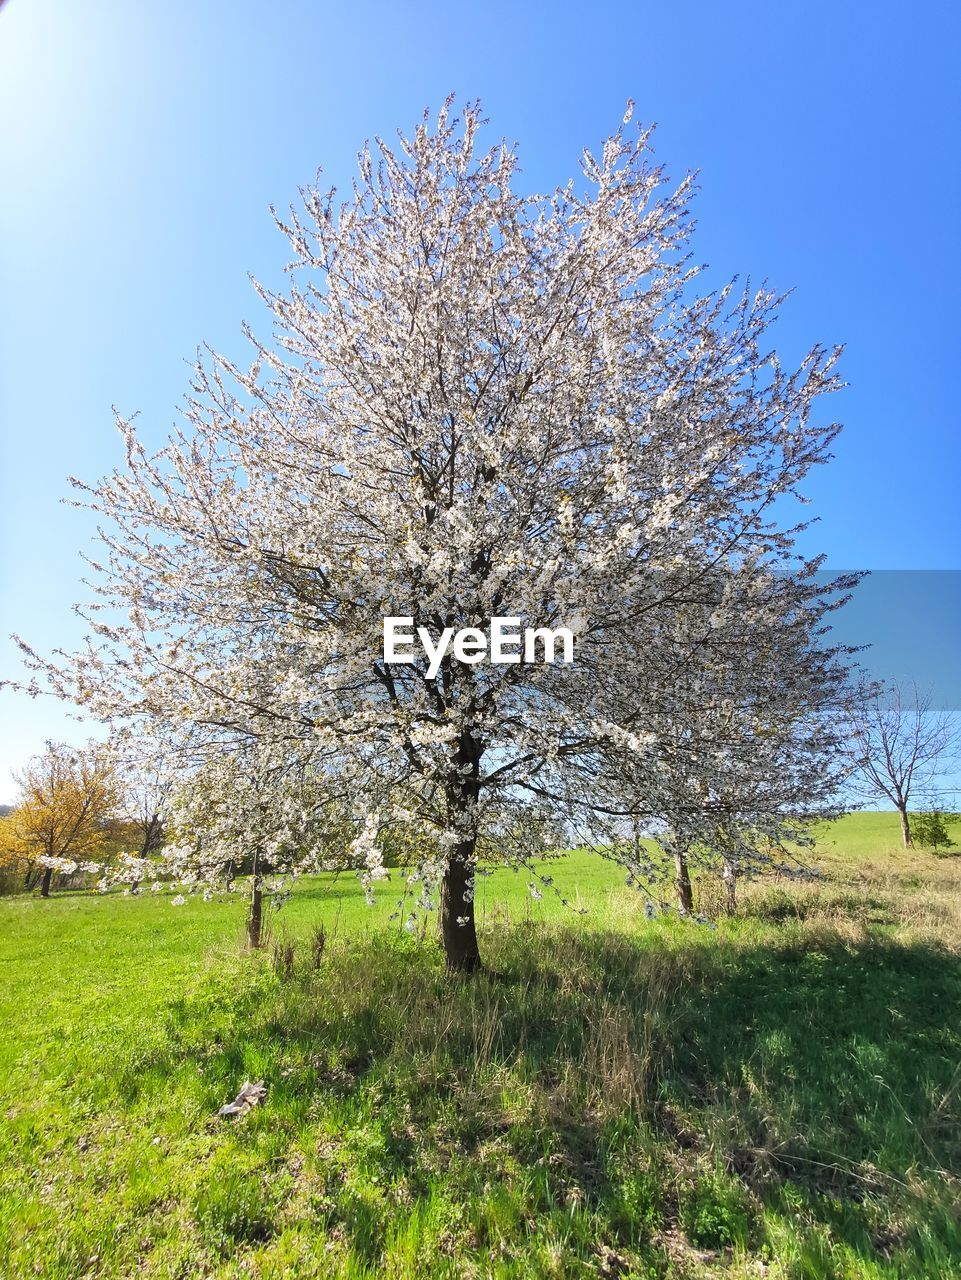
{"points": [[810, 1062]]}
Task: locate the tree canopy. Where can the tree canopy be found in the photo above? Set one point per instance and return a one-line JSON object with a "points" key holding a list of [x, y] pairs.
{"points": [[481, 403]]}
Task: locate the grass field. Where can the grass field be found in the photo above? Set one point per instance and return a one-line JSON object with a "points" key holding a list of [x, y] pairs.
{"points": [[778, 1096]]}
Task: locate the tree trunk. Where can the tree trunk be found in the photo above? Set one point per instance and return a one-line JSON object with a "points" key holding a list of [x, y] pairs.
{"points": [[256, 914], [152, 835], [456, 891], [460, 940], [685, 894], [905, 828], [45, 885], [729, 876]]}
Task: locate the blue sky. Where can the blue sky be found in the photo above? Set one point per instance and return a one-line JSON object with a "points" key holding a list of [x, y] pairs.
{"points": [[143, 143]]}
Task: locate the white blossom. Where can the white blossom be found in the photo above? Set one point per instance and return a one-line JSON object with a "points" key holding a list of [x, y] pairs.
{"points": [[479, 403]]}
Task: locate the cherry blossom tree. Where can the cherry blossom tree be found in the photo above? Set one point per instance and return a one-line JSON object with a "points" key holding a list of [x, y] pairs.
{"points": [[736, 746], [475, 403], [251, 813]]}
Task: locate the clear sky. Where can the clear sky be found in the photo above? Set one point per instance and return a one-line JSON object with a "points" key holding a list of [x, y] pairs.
{"points": [[142, 144]]}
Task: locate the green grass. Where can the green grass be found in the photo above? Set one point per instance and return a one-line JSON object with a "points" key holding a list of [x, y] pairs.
{"points": [[776, 1096], [869, 835]]}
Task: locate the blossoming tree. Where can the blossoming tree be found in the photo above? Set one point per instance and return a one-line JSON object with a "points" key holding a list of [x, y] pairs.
{"points": [[262, 814], [475, 403], [739, 744]]}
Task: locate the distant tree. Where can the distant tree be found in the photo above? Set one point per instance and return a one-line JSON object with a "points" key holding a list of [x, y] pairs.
{"points": [[930, 830], [67, 797], [147, 772], [145, 804], [149, 768], [902, 745], [15, 868]]}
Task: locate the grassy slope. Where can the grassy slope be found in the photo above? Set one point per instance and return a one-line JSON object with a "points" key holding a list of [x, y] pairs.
{"points": [[862, 835], [654, 1099]]}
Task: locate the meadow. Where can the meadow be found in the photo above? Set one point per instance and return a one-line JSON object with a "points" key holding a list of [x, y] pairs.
{"points": [[777, 1094]]}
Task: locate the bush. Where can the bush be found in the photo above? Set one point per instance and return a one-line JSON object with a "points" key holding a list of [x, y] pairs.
{"points": [[930, 830]]}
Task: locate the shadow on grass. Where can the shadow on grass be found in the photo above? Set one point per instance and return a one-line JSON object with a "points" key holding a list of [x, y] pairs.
{"points": [[802, 1073]]}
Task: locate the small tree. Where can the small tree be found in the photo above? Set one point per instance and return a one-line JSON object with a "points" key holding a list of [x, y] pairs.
{"points": [[901, 745], [930, 829], [245, 814], [67, 797]]}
